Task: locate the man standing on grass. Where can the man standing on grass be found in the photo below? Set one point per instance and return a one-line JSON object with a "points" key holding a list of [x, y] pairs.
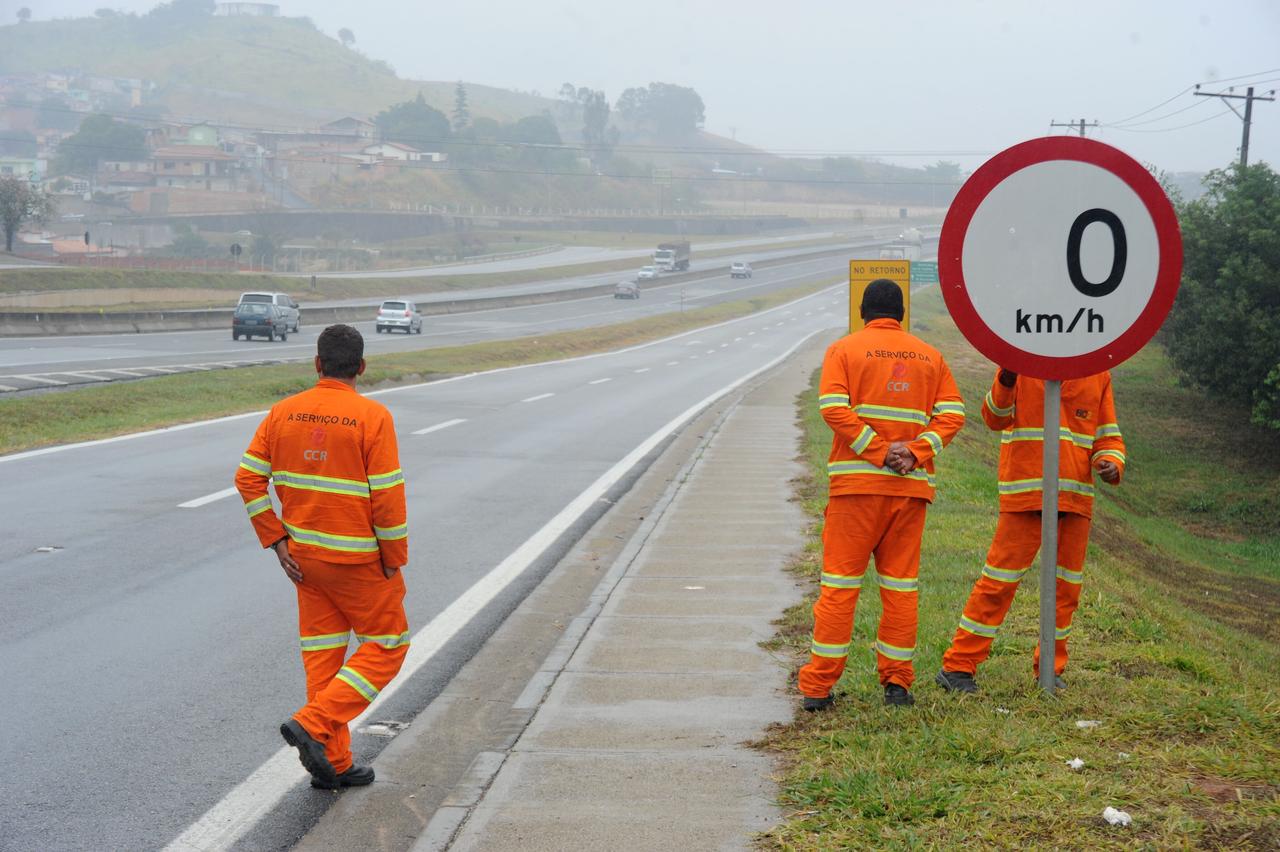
{"points": [[342, 539], [1089, 440], [893, 405]]}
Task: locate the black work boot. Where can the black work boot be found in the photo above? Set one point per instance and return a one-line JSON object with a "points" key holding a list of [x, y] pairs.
{"points": [[897, 696], [356, 776], [310, 752], [1058, 682], [813, 705], [956, 681]]}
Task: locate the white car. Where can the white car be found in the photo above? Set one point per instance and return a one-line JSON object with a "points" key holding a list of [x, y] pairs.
{"points": [[647, 273], [288, 307], [398, 313], [740, 269], [627, 290]]}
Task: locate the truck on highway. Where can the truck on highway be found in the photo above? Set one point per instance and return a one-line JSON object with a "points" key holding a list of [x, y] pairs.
{"points": [[900, 251], [672, 257]]}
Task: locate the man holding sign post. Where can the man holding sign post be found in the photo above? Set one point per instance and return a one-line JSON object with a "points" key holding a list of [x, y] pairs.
{"points": [[1059, 258]]}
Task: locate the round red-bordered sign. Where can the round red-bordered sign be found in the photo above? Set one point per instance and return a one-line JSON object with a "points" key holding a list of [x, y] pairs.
{"points": [[1019, 307]]}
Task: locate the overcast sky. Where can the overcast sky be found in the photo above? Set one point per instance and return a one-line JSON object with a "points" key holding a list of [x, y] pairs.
{"points": [[950, 79]]}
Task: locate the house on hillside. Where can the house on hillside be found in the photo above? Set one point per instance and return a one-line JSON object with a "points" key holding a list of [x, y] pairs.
{"points": [[251, 10], [348, 126], [393, 151], [30, 168], [194, 167]]}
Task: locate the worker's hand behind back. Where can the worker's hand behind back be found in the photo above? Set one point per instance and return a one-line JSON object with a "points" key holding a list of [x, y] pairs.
{"points": [[287, 562], [389, 571]]}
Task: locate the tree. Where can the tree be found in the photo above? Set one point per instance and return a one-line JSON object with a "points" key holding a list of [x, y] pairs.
{"points": [[461, 112], [347, 37], [1224, 330], [99, 138], [20, 202], [104, 12], [24, 15], [413, 123], [187, 243], [54, 114]]}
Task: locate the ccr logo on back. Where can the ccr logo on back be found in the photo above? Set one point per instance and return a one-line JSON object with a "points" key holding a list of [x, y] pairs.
{"points": [[898, 383]]}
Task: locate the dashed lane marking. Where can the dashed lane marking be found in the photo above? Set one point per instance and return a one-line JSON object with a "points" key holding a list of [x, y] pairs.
{"points": [[39, 379], [672, 363], [538, 397], [641, 370], [6, 388], [599, 381], [445, 425], [206, 499]]}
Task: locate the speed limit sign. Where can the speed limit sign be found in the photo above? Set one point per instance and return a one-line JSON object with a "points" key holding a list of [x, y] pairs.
{"points": [[1060, 257]]}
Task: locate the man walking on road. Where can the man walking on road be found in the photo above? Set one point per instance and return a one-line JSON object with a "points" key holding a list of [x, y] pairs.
{"points": [[342, 539], [893, 405], [1089, 440]]}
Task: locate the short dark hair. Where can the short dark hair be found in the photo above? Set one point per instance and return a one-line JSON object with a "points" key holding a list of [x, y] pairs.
{"points": [[882, 300], [340, 348]]}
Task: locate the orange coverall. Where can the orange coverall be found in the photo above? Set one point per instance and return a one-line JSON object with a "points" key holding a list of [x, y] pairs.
{"points": [[1088, 435], [879, 385], [333, 458]]}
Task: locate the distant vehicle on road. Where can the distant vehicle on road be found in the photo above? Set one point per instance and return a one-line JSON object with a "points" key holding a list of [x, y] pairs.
{"points": [[283, 301], [647, 273], [672, 257], [740, 269], [399, 313], [627, 290], [259, 319], [900, 251]]}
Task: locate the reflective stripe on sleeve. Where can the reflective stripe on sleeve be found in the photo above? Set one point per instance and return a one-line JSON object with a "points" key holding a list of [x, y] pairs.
{"points": [[948, 408], [821, 649], [900, 584], [388, 640], [257, 507], [833, 400], [379, 481], [847, 468], [332, 541], [358, 682], [841, 581], [1115, 454], [324, 641], [1069, 576], [1061, 633], [977, 628], [327, 484], [934, 439], [1025, 486], [1004, 575], [255, 464], [997, 410], [865, 437], [893, 652], [1108, 430], [391, 533], [889, 412]]}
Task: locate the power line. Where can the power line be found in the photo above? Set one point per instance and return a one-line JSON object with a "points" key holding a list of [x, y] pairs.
{"points": [[1190, 106], [1247, 119], [1184, 91], [1170, 129], [1074, 125]]}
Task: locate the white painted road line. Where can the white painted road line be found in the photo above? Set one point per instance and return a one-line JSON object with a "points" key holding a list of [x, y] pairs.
{"points": [[599, 381], [90, 376], [538, 397], [206, 499], [7, 388], [252, 799], [736, 339], [641, 370], [672, 363], [436, 428], [38, 379], [126, 373]]}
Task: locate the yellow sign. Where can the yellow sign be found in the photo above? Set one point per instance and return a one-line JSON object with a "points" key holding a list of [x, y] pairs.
{"points": [[863, 272]]}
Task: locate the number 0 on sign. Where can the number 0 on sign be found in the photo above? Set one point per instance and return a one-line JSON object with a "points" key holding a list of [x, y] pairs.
{"points": [[1060, 257]]}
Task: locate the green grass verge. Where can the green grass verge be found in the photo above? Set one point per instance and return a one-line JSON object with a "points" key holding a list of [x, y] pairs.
{"points": [[105, 410], [1174, 652]]}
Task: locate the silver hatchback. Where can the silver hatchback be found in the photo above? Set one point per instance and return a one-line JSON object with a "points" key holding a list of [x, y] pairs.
{"points": [[399, 314]]}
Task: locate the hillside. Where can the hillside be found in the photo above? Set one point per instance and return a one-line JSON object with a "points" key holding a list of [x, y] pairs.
{"points": [[259, 71]]}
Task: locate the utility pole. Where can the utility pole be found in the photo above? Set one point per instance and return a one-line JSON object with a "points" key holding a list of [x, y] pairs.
{"points": [[1074, 125], [1248, 97]]}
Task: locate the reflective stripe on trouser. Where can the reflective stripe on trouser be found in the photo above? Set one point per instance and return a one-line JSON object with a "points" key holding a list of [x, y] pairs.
{"points": [[859, 526], [332, 600], [1011, 558]]}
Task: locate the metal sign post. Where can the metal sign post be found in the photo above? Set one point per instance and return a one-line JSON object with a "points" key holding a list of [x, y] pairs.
{"points": [[1049, 534]]}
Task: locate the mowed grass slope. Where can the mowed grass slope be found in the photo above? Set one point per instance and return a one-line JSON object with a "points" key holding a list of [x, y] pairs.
{"points": [[1174, 654]]}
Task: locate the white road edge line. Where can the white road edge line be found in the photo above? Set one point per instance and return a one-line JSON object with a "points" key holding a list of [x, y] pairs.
{"points": [[418, 386], [436, 428], [37, 379], [538, 397], [239, 811], [208, 498], [599, 381]]}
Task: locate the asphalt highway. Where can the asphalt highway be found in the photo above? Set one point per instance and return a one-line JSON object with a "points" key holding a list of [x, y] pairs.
{"points": [[58, 361], [150, 644]]}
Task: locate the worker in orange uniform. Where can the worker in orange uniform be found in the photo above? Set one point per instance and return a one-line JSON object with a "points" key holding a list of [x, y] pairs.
{"points": [[342, 538], [893, 405], [1089, 440]]}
